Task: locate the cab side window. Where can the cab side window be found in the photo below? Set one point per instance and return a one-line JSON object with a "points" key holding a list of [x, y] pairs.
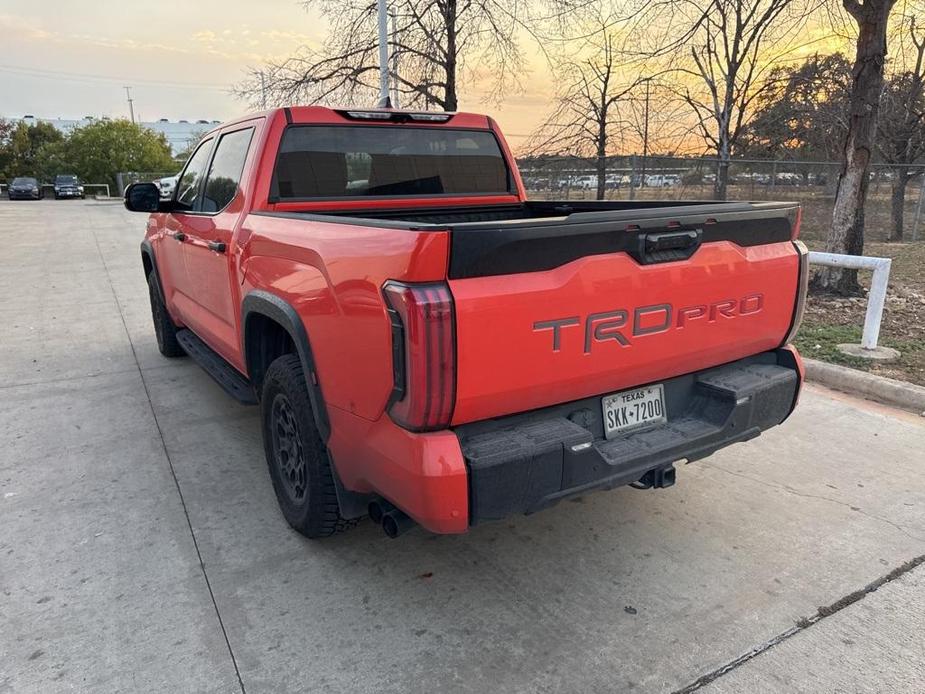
{"points": [[190, 183], [225, 172]]}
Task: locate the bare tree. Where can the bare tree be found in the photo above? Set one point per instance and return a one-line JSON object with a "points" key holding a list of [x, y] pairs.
{"points": [[847, 232], [436, 44], [733, 47], [658, 121], [586, 118], [901, 126]]}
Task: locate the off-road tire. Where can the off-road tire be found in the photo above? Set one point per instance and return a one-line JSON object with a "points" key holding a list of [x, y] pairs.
{"points": [[297, 457], [164, 329]]}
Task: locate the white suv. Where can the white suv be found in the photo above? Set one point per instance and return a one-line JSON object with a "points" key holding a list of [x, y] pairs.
{"points": [[166, 186]]}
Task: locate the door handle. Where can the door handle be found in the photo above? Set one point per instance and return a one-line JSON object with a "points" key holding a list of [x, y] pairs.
{"points": [[217, 246], [179, 236], [667, 246]]}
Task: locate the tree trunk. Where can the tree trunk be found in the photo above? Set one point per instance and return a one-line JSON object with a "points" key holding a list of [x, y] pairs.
{"points": [[601, 176], [898, 205], [450, 101], [847, 232], [601, 159], [721, 185]]}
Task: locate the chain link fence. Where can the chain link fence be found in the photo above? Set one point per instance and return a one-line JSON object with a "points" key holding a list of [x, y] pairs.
{"points": [[670, 178], [631, 177]]}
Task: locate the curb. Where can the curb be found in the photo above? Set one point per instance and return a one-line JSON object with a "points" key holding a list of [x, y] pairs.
{"points": [[889, 391]]}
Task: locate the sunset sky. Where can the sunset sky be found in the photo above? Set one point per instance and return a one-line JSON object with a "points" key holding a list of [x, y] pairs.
{"points": [[69, 59]]}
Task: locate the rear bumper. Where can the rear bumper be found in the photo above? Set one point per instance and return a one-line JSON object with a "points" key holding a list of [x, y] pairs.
{"points": [[527, 462], [450, 480]]}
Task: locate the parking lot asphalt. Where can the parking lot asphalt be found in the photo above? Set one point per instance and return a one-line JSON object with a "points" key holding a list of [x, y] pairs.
{"points": [[141, 548]]}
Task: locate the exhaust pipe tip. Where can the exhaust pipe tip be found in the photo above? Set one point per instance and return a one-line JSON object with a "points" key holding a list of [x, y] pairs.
{"points": [[375, 511], [395, 523]]}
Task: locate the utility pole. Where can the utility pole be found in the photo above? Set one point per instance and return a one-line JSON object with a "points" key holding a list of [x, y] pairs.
{"points": [[384, 100], [131, 108], [645, 137], [394, 58]]}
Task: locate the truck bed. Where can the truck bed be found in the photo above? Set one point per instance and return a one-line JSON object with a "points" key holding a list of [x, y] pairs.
{"points": [[541, 235], [547, 211]]}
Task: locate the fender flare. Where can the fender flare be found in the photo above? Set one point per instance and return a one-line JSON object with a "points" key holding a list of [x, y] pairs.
{"points": [[263, 303], [147, 253]]}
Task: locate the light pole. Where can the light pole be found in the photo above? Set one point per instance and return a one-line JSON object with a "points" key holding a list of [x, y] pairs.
{"points": [[384, 99], [394, 58], [645, 138], [131, 108]]}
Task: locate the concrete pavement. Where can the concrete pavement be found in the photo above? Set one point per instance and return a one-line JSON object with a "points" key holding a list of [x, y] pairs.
{"points": [[875, 646], [142, 550]]}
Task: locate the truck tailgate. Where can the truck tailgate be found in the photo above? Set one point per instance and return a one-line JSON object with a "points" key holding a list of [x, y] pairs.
{"points": [[605, 322]]}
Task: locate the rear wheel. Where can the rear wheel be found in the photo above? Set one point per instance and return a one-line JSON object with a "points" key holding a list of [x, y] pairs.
{"points": [[296, 455], [164, 329]]}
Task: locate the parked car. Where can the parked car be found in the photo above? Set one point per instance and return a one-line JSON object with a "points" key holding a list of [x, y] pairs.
{"points": [[663, 180], [167, 185], [584, 182], [616, 181], [25, 188], [788, 178], [67, 186], [428, 346], [751, 177]]}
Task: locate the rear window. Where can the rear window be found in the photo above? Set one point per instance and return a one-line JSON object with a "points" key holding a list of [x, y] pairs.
{"points": [[387, 161]]}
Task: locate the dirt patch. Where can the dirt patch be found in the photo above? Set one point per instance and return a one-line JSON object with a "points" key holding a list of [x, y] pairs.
{"points": [[830, 321]]}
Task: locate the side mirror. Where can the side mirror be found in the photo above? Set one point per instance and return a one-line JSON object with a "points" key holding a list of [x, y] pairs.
{"points": [[142, 197]]}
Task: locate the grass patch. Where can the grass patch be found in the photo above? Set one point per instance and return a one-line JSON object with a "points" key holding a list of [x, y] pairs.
{"points": [[818, 340]]}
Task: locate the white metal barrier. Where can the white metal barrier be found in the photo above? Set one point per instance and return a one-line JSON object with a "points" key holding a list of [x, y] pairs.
{"points": [[877, 296], [97, 185]]}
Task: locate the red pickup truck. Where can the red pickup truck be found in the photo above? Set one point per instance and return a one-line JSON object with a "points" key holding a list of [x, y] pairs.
{"points": [[428, 346]]}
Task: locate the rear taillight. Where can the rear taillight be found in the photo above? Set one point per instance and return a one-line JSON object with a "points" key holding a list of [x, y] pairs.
{"points": [[423, 354]]}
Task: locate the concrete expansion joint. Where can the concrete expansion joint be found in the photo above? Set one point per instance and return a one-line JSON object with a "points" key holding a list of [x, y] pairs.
{"points": [[804, 623], [173, 472]]}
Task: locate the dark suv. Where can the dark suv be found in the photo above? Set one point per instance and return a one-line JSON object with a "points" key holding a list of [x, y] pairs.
{"points": [[67, 186], [25, 188]]}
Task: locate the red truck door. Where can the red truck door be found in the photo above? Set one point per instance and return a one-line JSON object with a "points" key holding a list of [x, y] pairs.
{"points": [[170, 252], [209, 250]]}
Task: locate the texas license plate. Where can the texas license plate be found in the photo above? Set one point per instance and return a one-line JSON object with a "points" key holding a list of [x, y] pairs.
{"points": [[633, 409]]}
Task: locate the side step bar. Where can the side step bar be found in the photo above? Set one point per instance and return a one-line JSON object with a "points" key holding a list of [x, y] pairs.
{"points": [[224, 373]]}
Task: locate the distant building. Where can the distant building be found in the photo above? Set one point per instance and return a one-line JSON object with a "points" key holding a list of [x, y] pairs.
{"points": [[180, 134]]}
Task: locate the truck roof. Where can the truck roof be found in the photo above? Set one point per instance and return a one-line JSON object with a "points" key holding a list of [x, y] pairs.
{"points": [[324, 115]]}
